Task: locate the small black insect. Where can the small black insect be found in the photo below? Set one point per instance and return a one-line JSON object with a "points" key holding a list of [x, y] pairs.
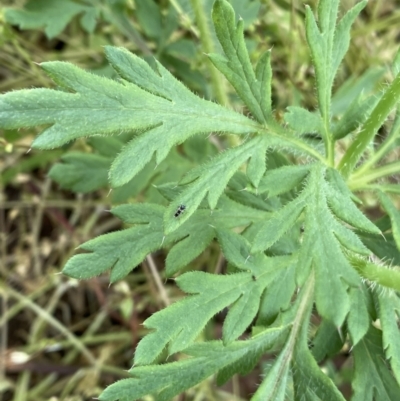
{"points": [[180, 210]]}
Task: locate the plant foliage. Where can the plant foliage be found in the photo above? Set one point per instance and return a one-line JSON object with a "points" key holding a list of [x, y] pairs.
{"points": [[293, 233]]}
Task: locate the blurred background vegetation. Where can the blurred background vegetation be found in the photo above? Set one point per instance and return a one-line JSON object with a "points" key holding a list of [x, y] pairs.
{"points": [[66, 340]]}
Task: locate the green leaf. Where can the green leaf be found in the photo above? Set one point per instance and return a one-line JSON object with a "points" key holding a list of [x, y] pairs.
{"points": [[256, 166], [209, 179], [369, 362], [389, 313], [181, 254], [350, 90], [81, 172], [53, 16], [246, 9], [302, 121], [277, 296], [253, 88], [180, 324], [356, 115], [283, 179], [341, 38], [273, 386], [168, 380], [358, 321], [338, 200], [382, 246], [327, 342], [324, 193], [107, 145], [279, 223], [120, 251], [394, 215], [328, 45], [92, 105], [236, 249], [149, 15], [310, 382], [321, 249]]}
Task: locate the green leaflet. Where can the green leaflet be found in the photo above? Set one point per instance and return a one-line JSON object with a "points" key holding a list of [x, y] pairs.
{"points": [[356, 115], [236, 250], [253, 87], [279, 223], [280, 180], [389, 312], [274, 384], [310, 383], [321, 250], [53, 16], [328, 44], [192, 237], [349, 92], [209, 179], [173, 378], [302, 121], [394, 215], [327, 342], [211, 293], [278, 295], [93, 105], [256, 166], [182, 253], [273, 387], [120, 251], [369, 362], [358, 321], [149, 15], [81, 172], [324, 193]]}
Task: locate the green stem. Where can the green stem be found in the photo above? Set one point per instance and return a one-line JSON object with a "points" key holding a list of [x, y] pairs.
{"points": [[330, 149], [389, 169], [185, 19], [207, 47], [389, 278], [370, 128], [276, 131], [376, 157]]}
